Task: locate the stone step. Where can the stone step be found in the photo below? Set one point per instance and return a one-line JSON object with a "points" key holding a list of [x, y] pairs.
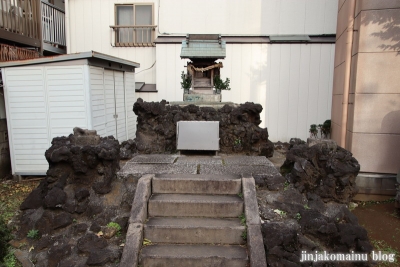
{"points": [[193, 256], [190, 205], [197, 184], [203, 90], [192, 230]]}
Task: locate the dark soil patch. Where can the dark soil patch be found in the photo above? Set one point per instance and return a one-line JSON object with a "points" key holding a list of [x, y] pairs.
{"points": [[382, 223]]}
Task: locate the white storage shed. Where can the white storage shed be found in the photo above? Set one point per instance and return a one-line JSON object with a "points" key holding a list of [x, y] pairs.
{"points": [[48, 97]]}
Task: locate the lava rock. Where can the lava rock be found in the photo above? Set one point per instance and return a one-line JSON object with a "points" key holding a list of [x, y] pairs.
{"points": [[79, 228], [62, 220], [321, 169], [91, 241], [128, 148], [57, 252], [55, 198], [156, 128], [95, 227], [35, 198], [99, 257], [81, 194]]}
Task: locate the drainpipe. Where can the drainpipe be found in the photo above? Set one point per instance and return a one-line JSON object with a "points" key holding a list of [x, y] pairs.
{"points": [[346, 89]]}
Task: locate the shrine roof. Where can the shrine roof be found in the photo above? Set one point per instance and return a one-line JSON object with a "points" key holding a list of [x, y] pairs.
{"points": [[203, 46]]}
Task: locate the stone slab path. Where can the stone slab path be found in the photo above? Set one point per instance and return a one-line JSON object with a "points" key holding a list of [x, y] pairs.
{"points": [[257, 166]]}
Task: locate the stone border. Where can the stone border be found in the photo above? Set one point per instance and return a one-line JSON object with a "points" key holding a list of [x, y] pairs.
{"points": [[134, 235], [253, 223]]}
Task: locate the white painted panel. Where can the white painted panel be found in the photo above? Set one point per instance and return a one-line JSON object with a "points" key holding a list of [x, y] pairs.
{"points": [[330, 16], [290, 81], [267, 75], [313, 84], [130, 100], [109, 96], [27, 121], [120, 106], [251, 17], [171, 86], [273, 101], [324, 86], [293, 104], [89, 22], [245, 83], [284, 91], [161, 75], [73, 112], [97, 100], [292, 16], [315, 16], [226, 71]]}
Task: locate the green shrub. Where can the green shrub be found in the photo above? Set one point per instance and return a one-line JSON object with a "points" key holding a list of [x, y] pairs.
{"points": [[34, 234], [220, 84], [186, 82]]}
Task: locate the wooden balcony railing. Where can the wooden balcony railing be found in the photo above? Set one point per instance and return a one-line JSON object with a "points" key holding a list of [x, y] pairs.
{"points": [[142, 35], [20, 17], [53, 24]]}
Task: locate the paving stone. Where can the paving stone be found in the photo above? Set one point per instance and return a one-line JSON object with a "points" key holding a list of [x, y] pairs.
{"points": [[255, 170], [153, 159], [199, 160], [141, 169], [247, 160]]}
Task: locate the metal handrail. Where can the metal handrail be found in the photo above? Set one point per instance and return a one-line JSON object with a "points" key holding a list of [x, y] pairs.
{"points": [[53, 24]]}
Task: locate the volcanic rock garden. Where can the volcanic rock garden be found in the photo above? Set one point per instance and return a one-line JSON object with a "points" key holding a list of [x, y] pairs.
{"points": [[78, 215]]}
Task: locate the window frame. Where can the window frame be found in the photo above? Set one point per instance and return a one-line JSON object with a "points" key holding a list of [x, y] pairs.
{"points": [[133, 5]]}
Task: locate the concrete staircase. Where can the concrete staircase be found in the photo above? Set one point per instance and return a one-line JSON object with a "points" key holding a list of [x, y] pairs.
{"points": [[194, 221]]}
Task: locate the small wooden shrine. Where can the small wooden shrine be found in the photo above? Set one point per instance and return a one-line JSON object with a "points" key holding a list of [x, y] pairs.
{"points": [[203, 50]]}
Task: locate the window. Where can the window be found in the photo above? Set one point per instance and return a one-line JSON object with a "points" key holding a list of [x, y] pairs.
{"points": [[134, 25]]}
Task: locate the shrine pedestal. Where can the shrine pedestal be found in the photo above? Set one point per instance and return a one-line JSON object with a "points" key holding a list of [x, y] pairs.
{"points": [[193, 98]]}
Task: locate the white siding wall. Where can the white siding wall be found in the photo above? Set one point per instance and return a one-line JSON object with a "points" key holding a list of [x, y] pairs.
{"points": [[97, 99], [88, 23], [89, 29], [108, 98], [251, 17], [67, 99], [120, 105], [293, 82], [130, 100], [42, 103]]}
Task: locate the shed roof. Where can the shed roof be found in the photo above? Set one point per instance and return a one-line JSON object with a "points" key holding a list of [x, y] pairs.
{"points": [[203, 46], [69, 57]]}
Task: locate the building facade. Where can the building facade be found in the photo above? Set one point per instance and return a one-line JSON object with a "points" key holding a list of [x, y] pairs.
{"points": [[366, 92], [278, 53]]}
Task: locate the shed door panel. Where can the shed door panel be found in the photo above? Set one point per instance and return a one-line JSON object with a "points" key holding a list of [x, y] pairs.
{"points": [[25, 96], [120, 105], [111, 126], [65, 99], [97, 98]]}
